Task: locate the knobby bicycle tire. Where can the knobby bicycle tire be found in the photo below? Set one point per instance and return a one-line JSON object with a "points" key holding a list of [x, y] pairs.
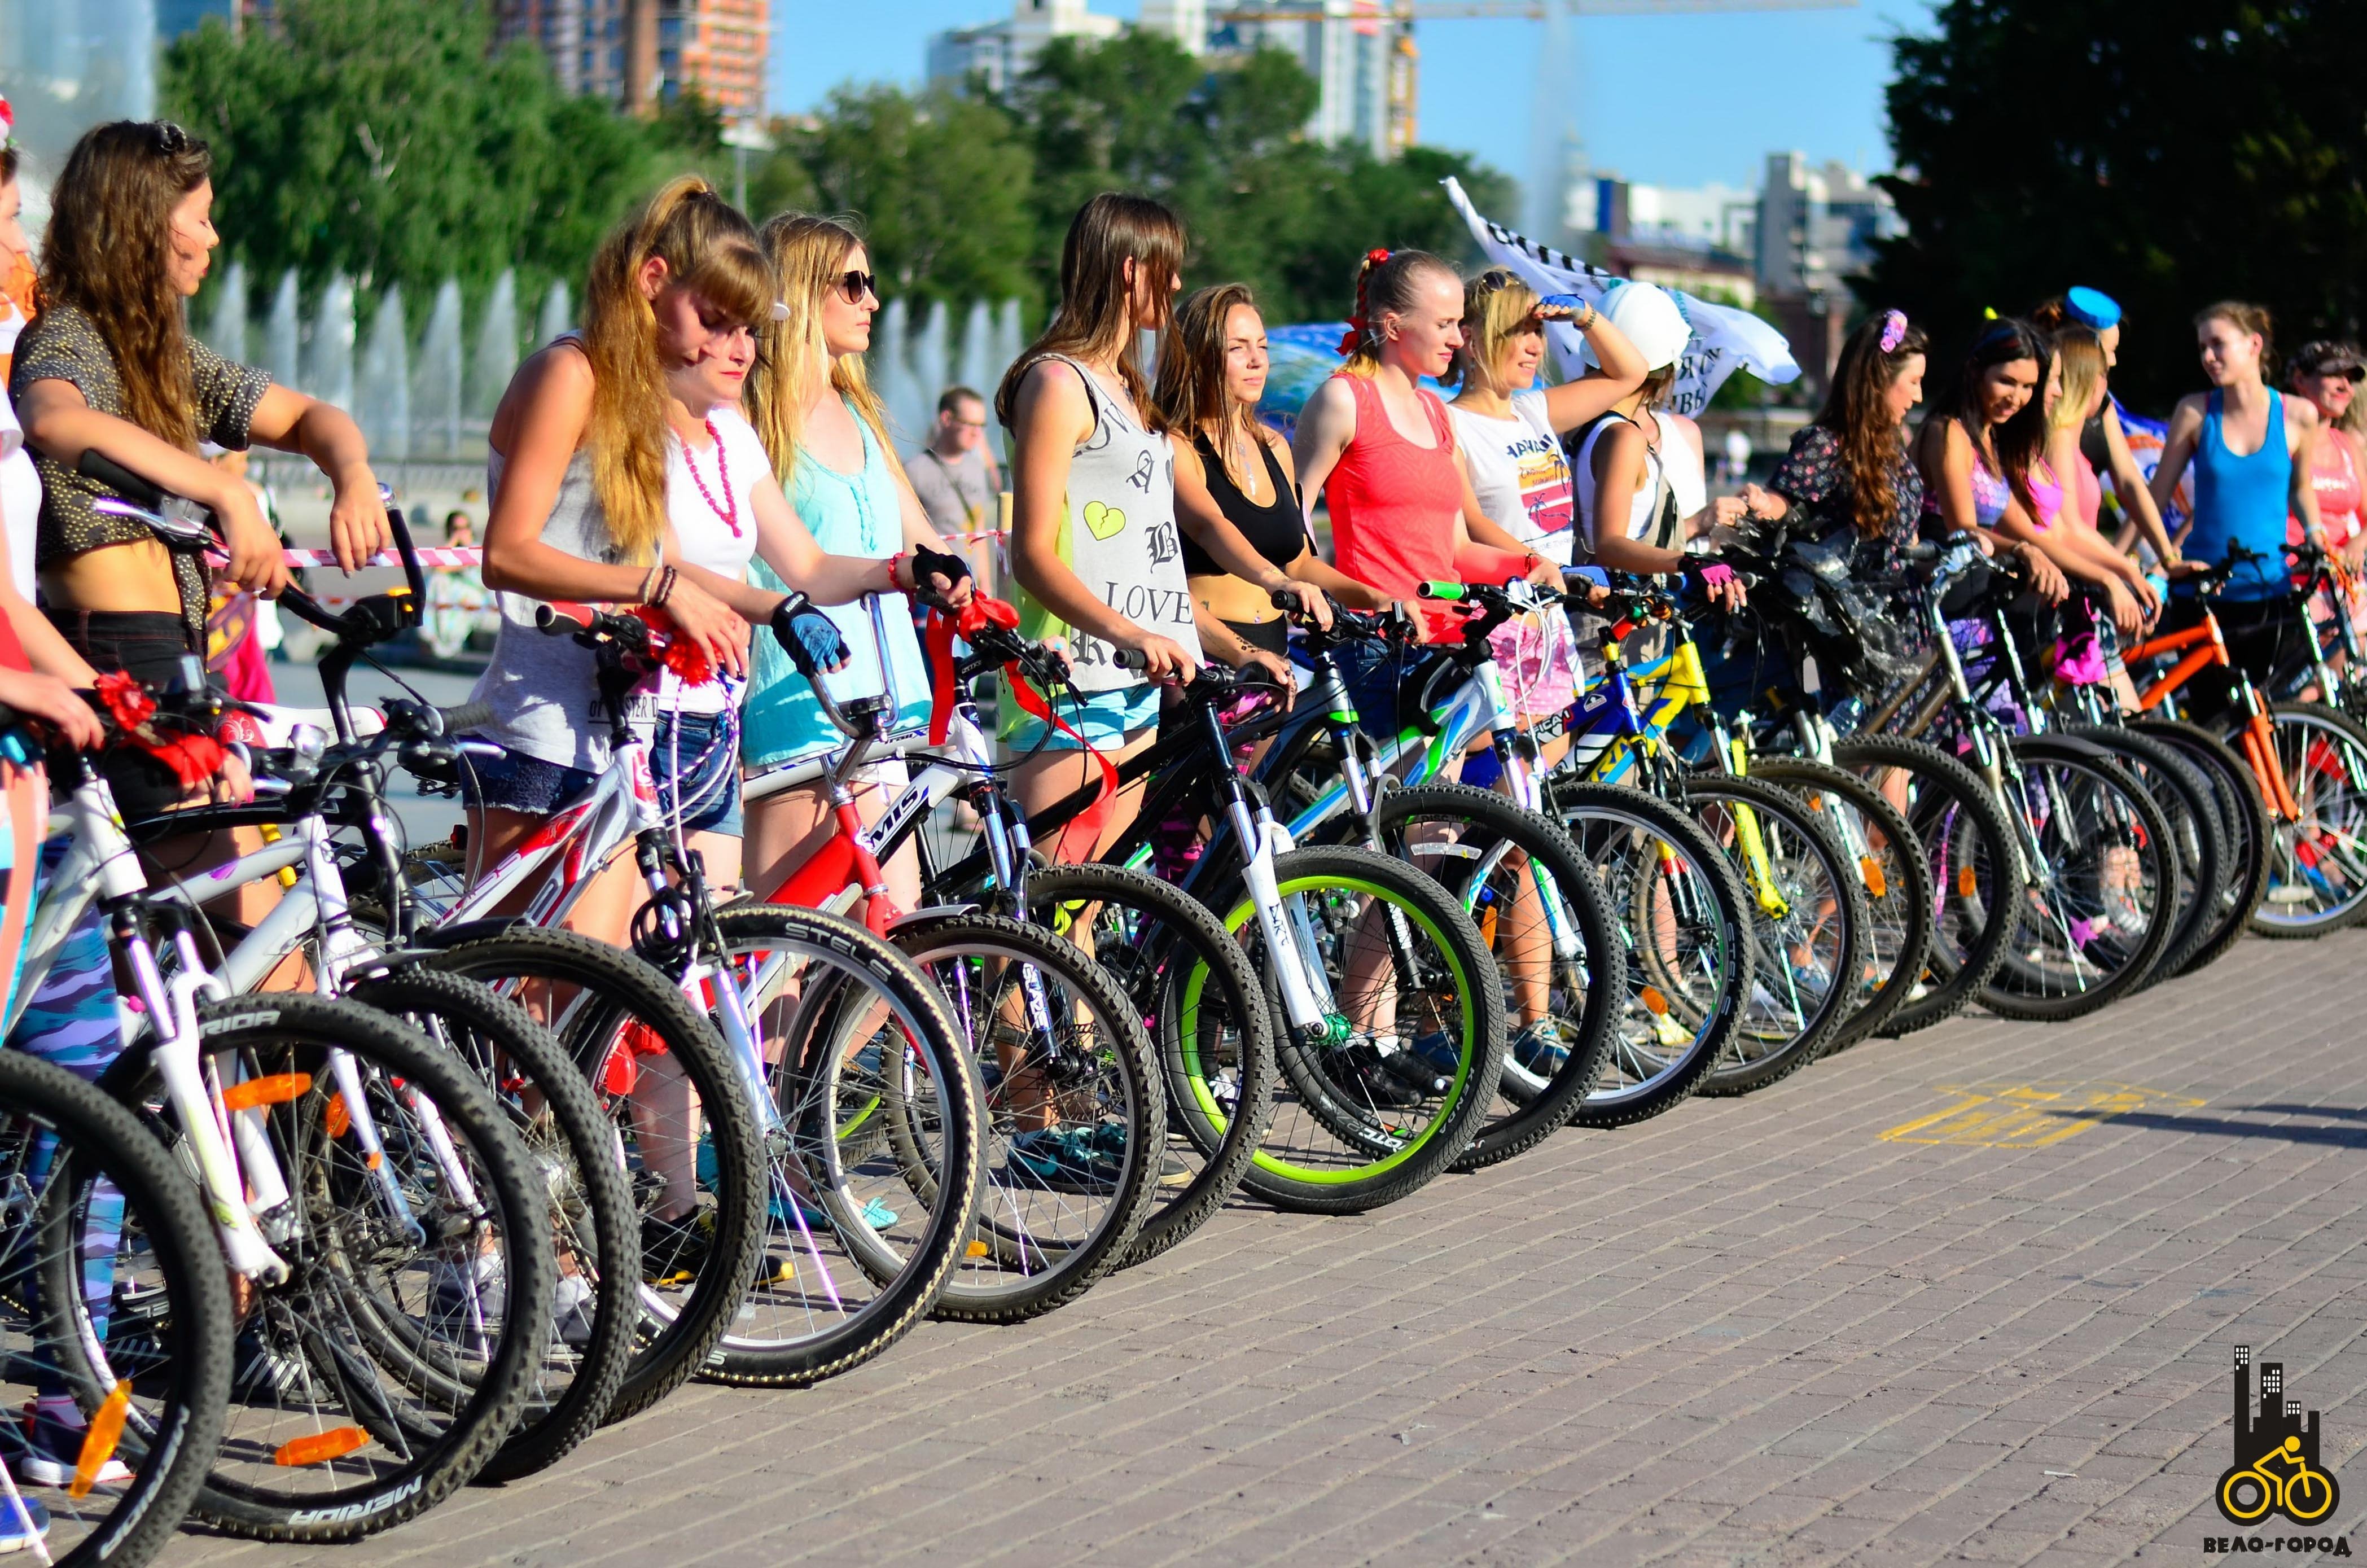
{"points": [[1598, 971], [1204, 1008], [997, 951], [170, 1435], [280, 1033], [1965, 838], [1604, 820], [1896, 878], [591, 1198], [845, 969], [615, 990]]}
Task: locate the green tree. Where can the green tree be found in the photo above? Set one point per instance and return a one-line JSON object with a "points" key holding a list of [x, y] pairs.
{"points": [[941, 182], [385, 139], [2201, 151]]}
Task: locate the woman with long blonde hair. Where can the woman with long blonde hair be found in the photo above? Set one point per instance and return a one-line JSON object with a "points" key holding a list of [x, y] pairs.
{"points": [[620, 473], [826, 435]]}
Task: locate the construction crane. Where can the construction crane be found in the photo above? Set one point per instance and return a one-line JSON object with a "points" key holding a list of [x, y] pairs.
{"points": [[1369, 17]]}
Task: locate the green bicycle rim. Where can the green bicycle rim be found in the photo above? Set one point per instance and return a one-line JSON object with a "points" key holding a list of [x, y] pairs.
{"points": [[1453, 1096]]}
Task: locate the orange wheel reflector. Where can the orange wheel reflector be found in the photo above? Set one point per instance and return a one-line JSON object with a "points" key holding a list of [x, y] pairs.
{"points": [[1488, 926], [1655, 1003], [975, 1249], [98, 1442], [1967, 884], [1877, 880], [374, 1159], [322, 1447], [277, 1089], [340, 1120]]}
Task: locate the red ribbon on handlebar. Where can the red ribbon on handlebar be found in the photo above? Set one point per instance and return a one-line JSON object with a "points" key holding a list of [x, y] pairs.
{"points": [[687, 661], [979, 614], [194, 758]]}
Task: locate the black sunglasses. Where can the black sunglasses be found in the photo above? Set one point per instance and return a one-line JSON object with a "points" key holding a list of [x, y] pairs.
{"points": [[854, 285]]}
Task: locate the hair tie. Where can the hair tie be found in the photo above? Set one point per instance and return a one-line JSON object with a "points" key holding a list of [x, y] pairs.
{"points": [[1357, 323], [1894, 330], [1353, 335], [7, 124]]}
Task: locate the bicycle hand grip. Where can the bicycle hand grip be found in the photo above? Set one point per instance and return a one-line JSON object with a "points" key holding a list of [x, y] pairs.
{"points": [[1451, 591], [561, 619], [468, 716], [1130, 659], [97, 465]]}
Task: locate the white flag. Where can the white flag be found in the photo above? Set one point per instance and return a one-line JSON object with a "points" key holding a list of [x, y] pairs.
{"points": [[1724, 337]]}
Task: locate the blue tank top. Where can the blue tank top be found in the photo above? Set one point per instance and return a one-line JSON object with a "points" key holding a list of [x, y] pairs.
{"points": [[2242, 501], [848, 514]]}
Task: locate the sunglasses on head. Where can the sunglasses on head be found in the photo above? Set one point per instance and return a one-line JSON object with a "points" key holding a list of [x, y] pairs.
{"points": [[854, 285]]}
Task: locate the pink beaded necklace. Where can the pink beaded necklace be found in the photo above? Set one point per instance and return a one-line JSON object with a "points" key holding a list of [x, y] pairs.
{"points": [[722, 476]]}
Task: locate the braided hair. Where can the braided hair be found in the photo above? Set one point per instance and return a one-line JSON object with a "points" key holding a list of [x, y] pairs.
{"points": [[1387, 283]]}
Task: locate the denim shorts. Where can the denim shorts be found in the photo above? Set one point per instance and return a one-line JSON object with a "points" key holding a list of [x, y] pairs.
{"points": [[1103, 718], [701, 744]]}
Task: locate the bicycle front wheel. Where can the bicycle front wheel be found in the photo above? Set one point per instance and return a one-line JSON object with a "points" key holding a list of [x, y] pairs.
{"points": [[386, 1369], [2102, 899], [1807, 925], [693, 1157], [2317, 862], [1891, 874], [1075, 1120], [1689, 960], [1390, 1088], [111, 1292], [595, 1309], [1539, 906], [872, 1176], [1194, 989]]}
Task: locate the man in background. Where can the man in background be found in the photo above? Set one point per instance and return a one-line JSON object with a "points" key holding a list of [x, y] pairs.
{"points": [[958, 481]]}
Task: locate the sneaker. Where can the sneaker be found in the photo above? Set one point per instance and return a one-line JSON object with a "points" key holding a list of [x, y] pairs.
{"points": [[1064, 1159], [262, 1373], [1439, 1052], [1110, 1136], [39, 1463], [674, 1251], [23, 1524], [787, 1212], [1539, 1049], [464, 1295], [573, 1311]]}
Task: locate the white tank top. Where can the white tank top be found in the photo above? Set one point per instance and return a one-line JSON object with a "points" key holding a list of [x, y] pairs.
{"points": [[1652, 489]]}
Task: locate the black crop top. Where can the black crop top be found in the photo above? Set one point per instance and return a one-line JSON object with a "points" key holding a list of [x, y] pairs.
{"points": [[1275, 530]]}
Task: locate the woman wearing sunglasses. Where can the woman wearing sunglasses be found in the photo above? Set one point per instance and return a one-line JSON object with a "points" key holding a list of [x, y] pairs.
{"points": [[823, 428]]}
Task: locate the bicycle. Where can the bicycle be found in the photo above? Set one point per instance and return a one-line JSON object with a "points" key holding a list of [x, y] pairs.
{"points": [[65, 1151], [1189, 982], [381, 1216], [1388, 1025]]}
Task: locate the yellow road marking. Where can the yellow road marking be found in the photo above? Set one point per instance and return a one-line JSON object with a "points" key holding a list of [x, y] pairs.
{"points": [[2028, 1116]]}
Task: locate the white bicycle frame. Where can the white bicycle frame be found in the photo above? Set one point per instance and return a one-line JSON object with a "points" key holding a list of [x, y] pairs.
{"points": [[233, 1156]]}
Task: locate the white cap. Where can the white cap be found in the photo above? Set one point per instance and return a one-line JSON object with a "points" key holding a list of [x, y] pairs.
{"points": [[1647, 318]]}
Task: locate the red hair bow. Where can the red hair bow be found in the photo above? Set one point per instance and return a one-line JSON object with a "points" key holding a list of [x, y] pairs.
{"points": [[1356, 324]]}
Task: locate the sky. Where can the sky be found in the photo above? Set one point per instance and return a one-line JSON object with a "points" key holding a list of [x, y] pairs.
{"points": [[1677, 100]]}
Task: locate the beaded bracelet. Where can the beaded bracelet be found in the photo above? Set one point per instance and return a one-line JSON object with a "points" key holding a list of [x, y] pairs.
{"points": [[665, 588], [893, 561]]}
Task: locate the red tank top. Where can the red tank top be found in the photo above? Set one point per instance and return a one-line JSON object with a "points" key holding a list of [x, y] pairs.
{"points": [[1394, 504]]}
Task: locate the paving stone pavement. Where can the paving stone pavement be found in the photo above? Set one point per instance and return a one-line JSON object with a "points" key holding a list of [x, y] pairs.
{"points": [[1752, 1331]]}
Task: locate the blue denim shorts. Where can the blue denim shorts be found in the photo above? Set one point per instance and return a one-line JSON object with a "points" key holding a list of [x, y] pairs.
{"points": [[1103, 718], [703, 745]]}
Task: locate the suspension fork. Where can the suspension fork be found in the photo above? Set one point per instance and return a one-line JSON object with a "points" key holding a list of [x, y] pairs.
{"points": [[195, 1101], [1307, 1002], [706, 978]]}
